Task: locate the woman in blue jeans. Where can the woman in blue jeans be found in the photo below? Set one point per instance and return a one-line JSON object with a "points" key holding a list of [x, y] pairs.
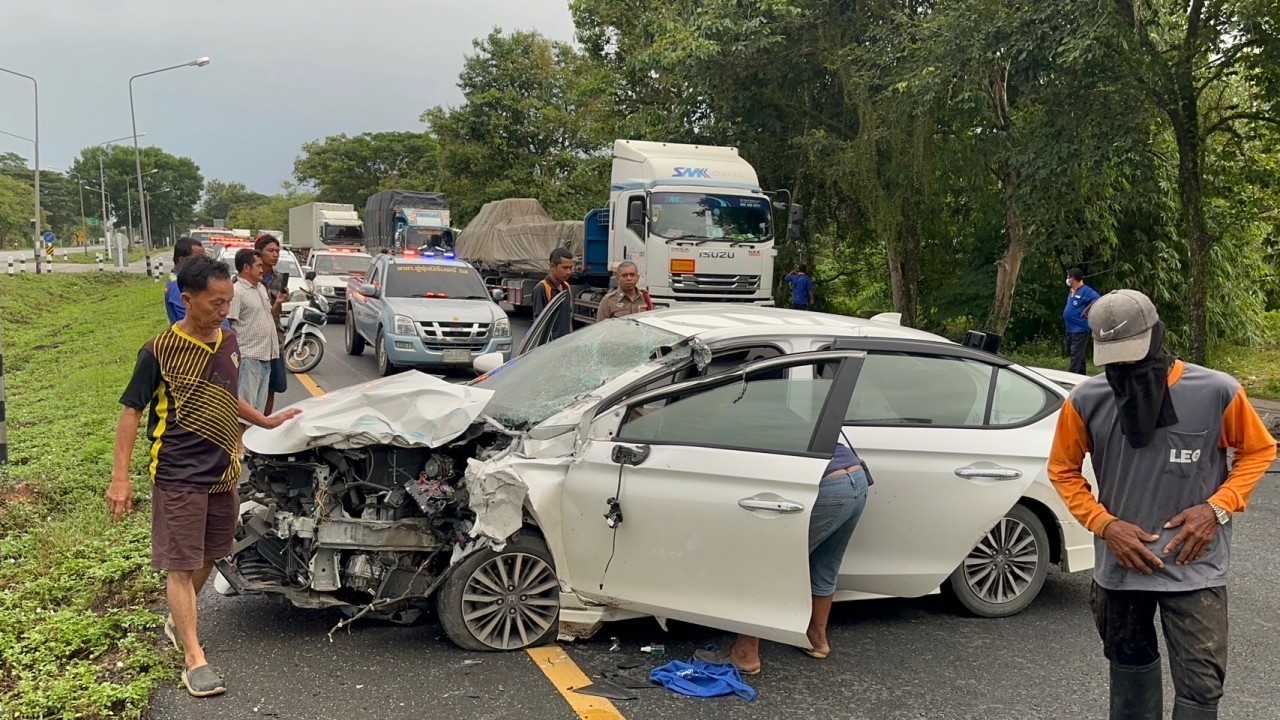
{"points": [[842, 494]]}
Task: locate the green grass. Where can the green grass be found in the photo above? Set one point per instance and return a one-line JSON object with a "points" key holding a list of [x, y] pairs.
{"points": [[1257, 368], [77, 256], [78, 637]]}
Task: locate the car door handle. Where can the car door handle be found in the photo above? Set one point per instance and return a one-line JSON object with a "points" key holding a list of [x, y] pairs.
{"points": [[778, 506], [992, 473]]}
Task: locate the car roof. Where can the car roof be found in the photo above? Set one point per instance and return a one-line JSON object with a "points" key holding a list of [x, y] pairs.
{"points": [[721, 321]]}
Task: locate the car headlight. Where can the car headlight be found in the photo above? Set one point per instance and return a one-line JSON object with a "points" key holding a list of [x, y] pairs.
{"points": [[404, 325], [502, 328], [328, 290]]}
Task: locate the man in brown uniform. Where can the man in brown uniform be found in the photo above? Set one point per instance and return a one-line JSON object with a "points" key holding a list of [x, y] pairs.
{"points": [[626, 299], [188, 377]]}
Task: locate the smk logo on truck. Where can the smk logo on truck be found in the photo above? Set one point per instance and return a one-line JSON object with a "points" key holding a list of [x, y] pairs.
{"points": [[691, 172]]}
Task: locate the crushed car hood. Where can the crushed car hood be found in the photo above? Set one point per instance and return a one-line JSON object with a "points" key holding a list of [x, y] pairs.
{"points": [[411, 409]]}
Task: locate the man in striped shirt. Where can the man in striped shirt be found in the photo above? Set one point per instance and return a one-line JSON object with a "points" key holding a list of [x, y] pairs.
{"points": [[188, 378]]}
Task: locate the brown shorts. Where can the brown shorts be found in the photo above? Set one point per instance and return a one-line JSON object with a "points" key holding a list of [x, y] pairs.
{"points": [[188, 528]]}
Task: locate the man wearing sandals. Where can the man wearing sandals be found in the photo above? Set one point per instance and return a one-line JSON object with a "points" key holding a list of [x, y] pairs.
{"points": [[188, 378]]}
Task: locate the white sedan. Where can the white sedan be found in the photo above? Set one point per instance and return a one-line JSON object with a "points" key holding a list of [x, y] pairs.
{"points": [[663, 464]]}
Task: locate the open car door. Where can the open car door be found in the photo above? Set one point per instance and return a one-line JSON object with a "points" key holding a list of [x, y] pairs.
{"points": [[539, 332], [708, 486]]}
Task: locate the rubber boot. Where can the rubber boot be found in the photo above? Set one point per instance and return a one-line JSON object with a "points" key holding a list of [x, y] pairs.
{"points": [[1187, 710], [1137, 693]]}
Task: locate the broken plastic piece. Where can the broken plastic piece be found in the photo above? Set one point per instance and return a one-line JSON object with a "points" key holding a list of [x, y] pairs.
{"points": [[616, 646], [606, 689]]}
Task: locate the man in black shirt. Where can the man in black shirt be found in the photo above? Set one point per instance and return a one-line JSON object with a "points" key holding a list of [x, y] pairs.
{"points": [[188, 377], [556, 282]]}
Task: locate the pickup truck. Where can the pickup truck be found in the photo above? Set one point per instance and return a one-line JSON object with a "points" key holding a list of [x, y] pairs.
{"points": [[334, 269], [424, 312]]}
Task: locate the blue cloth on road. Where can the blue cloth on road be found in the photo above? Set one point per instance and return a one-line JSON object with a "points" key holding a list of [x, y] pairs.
{"points": [[1077, 303], [801, 286], [699, 678]]}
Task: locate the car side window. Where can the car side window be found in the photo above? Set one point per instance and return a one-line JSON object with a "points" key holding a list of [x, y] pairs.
{"points": [[1018, 399], [903, 389], [772, 410]]}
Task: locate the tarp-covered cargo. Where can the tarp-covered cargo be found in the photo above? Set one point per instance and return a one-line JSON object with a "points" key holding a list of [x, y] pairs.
{"points": [[422, 216], [517, 234]]}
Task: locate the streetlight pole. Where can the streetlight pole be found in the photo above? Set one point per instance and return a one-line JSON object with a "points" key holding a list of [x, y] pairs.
{"points": [[35, 86], [137, 154], [102, 183]]}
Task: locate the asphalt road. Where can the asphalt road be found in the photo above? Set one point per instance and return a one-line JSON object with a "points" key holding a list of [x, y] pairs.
{"points": [[893, 659]]}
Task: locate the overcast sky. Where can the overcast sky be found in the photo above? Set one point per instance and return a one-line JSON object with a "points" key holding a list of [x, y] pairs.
{"points": [[284, 72]]}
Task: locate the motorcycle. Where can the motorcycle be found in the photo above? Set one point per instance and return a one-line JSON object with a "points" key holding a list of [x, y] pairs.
{"points": [[304, 344]]}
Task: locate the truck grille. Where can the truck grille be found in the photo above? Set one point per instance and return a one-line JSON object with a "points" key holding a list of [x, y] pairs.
{"points": [[705, 284], [454, 335]]}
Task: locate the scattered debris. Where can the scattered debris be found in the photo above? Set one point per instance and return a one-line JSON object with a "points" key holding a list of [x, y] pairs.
{"points": [[471, 662], [606, 689], [616, 646], [655, 650]]}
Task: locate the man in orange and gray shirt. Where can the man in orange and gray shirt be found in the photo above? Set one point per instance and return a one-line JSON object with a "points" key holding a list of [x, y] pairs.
{"points": [[1157, 430]]}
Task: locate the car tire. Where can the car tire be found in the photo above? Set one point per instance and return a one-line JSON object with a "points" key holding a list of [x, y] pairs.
{"points": [[1006, 569], [355, 343], [385, 366], [476, 619]]}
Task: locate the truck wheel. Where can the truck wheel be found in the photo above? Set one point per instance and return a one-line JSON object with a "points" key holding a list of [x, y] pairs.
{"points": [[508, 600], [385, 367], [355, 343]]}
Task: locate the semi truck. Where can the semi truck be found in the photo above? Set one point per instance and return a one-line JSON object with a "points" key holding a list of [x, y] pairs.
{"points": [[693, 218], [407, 221], [323, 225]]}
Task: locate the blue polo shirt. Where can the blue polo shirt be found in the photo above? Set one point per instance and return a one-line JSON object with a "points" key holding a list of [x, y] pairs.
{"points": [[173, 306], [1077, 303], [801, 284]]}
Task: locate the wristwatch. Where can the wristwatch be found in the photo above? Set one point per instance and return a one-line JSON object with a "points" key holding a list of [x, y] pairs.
{"points": [[1224, 517]]}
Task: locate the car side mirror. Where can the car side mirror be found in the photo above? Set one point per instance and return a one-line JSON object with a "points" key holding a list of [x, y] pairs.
{"points": [[311, 275], [369, 289], [795, 220], [488, 362], [498, 295]]}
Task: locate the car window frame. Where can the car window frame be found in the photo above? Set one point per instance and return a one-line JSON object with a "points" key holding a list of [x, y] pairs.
{"points": [[885, 346], [830, 418]]}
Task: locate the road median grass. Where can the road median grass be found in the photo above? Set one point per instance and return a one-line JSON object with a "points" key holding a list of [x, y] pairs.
{"points": [[78, 637]]}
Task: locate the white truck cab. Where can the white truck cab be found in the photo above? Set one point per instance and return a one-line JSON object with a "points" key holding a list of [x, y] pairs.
{"points": [[694, 219]]}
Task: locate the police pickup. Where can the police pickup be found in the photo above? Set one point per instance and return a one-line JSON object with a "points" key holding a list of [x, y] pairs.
{"points": [[334, 268], [424, 311]]}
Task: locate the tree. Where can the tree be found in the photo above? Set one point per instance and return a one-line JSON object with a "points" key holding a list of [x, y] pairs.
{"points": [[17, 200], [537, 122], [220, 197], [273, 212], [1210, 67], [173, 189], [345, 169]]}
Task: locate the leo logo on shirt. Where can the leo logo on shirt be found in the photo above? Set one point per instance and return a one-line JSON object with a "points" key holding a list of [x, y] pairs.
{"points": [[1183, 456]]}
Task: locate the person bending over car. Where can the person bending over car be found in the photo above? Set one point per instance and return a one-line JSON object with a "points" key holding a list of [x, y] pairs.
{"points": [[842, 495]]}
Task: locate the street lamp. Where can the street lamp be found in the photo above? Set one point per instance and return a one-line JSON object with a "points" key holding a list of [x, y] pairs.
{"points": [[137, 154], [35, 86], [102, 180]]}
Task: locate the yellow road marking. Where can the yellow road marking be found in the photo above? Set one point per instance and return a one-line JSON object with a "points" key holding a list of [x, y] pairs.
{"points": [[559, 668], [309, 384], [565, 674]]}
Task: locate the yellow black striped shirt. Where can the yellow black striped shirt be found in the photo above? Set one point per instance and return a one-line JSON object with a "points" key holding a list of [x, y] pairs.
{"points": [[190, 387]]}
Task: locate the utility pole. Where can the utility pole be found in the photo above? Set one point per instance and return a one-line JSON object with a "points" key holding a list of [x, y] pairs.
{"points": [[4, 435]]}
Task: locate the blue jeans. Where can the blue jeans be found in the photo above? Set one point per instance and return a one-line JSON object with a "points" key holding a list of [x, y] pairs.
{"points": [[255, 379], [841, 499]]}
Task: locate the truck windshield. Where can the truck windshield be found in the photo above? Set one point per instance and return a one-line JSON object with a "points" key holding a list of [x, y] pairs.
{"points": [[341, 234], [435, 281], [417, 238], [540, 383], [341, 264], [698, 216]]}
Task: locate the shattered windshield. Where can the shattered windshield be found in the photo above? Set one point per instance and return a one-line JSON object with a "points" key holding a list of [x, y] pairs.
{"points": [[539, 384]]}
